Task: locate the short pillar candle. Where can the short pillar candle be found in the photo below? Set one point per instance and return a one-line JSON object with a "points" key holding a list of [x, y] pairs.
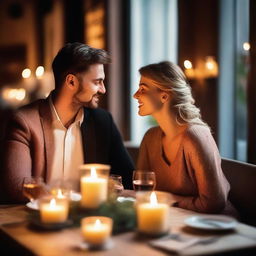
{"points": [[96, 230], [53, 210], [152, 216], [94, 184]]}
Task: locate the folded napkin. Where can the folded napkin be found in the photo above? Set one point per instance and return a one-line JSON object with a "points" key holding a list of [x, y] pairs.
{"points": [[177, 242]]}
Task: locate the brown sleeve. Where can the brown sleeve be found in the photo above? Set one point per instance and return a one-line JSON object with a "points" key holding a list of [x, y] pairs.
{"points": [[16, 158], [204, 163]]}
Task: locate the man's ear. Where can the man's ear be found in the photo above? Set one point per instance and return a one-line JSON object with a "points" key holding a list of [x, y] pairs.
{"points": [[71, 81]]}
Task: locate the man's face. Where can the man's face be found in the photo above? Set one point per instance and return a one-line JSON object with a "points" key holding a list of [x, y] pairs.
{"points": [[91, 86]]}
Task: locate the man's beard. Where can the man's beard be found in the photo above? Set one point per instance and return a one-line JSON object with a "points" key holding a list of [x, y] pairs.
{"points": [[91, 103], [94, 103]]}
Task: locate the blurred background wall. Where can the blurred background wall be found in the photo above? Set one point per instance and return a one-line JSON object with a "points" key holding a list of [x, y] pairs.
{"points": [[213, 42]]}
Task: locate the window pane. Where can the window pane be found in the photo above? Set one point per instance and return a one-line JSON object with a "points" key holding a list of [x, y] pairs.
{"points": [[242, 65], [153, 39]]}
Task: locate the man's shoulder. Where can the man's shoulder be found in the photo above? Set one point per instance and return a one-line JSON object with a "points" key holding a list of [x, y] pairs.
{"points": [[29, 113], [99, 120], [30, 108], [98, 113]]}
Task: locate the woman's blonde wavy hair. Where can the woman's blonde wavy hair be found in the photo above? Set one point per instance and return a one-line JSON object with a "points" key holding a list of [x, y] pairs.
{"points": [[168, 77]]}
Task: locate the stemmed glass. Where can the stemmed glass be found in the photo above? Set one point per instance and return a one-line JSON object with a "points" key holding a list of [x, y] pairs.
{"points": [[116, 181], [144, 180], [33, 188]]}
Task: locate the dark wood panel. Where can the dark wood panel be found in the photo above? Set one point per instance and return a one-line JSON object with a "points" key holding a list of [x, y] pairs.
{"points": [[197, 39], [252, 88], [12, 61]]}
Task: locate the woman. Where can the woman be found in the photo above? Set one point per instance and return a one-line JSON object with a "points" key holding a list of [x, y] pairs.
{"points": [[181, 150]]}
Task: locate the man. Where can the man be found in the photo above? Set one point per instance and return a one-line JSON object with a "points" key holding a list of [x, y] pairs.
{"points": [[52, 137]]}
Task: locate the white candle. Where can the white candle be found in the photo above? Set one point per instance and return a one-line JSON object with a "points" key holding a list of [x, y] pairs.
{"points": [[98, 232], [153, 217], [93, 189], [53, 213]]}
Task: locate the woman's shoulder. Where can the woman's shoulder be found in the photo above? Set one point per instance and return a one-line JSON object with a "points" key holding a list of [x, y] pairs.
{"points": [[153, 130], [200, 144], [152, 133], [198, 133]]}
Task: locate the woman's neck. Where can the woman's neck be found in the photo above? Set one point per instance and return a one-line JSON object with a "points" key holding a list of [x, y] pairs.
{"points": [[168, 124]]}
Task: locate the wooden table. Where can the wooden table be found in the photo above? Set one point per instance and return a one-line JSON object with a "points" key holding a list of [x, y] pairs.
{"points": [[15, 232]]}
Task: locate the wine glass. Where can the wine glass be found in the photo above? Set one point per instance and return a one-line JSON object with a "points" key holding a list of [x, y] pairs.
{"points": [[33, 188], [144, 180], [116, 181]]}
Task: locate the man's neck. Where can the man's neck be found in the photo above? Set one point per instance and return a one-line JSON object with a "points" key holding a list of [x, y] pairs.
{"points": [[66, 110]]}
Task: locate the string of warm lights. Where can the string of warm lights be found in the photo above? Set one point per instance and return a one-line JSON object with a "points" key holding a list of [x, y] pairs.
{"points": [[26, 73], [209, 69], [15, 96]]}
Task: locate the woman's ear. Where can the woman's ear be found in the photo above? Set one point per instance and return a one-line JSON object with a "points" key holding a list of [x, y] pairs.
{"points": [[164, 97]]}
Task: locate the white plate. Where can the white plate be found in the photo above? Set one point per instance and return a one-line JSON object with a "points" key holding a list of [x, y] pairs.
{"points": [[33, 206], [122, 199], [211, 222], [74, 196]]}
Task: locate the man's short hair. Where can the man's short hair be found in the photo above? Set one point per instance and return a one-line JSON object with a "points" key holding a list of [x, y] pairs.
{"points": [[76, 58]]}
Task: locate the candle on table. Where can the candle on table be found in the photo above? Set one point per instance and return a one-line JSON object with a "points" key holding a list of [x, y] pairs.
{"points": [[94, 188], [55, 211], [153, 216], [65, 189], [96, 230], [60, 194]]}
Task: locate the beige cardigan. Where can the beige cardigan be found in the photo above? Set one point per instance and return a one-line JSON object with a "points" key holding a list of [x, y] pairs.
{"points": [[195, 174]]}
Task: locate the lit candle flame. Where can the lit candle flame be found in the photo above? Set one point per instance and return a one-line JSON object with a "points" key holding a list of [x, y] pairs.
{"points": [[52, 203], [97, 224], [60, 194], [153, 198], [93, 172]]}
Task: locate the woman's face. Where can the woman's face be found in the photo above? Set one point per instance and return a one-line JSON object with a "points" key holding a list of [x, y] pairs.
{"points": [[148, 96]]}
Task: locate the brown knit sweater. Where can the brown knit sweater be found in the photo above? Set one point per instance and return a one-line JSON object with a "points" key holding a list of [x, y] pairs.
{"points": [[195, 174]]}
